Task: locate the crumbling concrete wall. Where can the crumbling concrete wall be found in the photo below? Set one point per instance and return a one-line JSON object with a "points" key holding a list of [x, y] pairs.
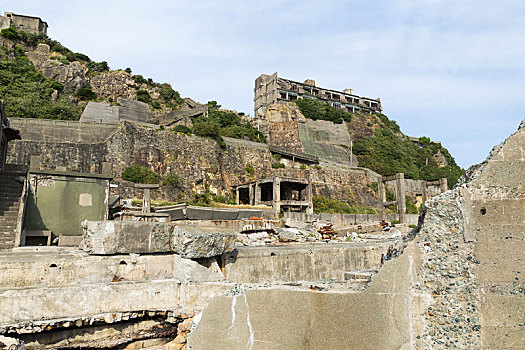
{"points": [[302, 263], [297, 319], [44, 290], [78, 157], [458, 283]]}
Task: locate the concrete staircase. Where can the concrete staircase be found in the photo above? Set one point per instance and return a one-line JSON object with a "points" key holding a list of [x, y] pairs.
{"points": [[10, 193]]}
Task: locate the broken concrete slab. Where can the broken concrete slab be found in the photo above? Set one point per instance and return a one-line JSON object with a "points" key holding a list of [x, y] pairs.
{"points": [[125, 237], [288, 234]]}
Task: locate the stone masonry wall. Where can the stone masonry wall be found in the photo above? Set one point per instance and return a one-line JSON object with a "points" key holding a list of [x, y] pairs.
{"points": [[200, 162], [81, 157]]}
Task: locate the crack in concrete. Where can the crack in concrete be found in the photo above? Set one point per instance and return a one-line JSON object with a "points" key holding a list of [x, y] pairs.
{"points": [[248, 322]]}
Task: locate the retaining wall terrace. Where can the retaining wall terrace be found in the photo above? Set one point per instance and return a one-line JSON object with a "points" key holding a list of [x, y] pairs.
{"points": [[200, 162]]}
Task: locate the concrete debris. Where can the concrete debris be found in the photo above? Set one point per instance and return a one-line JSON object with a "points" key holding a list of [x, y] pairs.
{"points": [[11, 343], [288, 234], [124, 237], [301, 225]]}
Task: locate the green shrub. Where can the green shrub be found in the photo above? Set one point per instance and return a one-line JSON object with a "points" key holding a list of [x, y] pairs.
{"points": [[315, 109], [223, 199], [139, 79], [181, 128], [201, 199], [278, 165], [155, 104], [127, 70], [63, 60], [206, 128], [85, 93], [143, 96], [55, 85], [303, 166], [26, 92], [140, 174], [98, 67], [225, 123], [170, 96], [9, 33], [249, 169], [411, 206], [172, 179]]}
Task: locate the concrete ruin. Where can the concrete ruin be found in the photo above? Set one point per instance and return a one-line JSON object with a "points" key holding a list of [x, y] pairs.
{"points": [[28, 24], [281, 193], [271, 89], [454, 282]]}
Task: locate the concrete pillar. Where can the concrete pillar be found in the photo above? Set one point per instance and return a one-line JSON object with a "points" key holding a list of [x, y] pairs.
{"points": [[257, 193], [146, 201], [400, 196], [381, 194], [424, 190], [310, 208], [276, 195], [251, 194], [237, 201], [443, 184]]}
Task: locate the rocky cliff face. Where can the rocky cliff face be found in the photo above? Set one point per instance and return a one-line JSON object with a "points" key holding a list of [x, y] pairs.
{"points": [[115, 84], [72, 76]]}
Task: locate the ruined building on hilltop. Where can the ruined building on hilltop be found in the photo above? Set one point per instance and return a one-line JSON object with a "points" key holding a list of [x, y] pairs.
{"points": [[271, 89], [28, 24]]}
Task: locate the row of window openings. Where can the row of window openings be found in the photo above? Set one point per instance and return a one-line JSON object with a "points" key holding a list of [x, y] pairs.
{"points": [[294, 97], [332, 96]]}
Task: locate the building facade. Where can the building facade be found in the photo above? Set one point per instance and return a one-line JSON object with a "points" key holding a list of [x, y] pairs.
{"points": [[271, 89], [26, 23]]}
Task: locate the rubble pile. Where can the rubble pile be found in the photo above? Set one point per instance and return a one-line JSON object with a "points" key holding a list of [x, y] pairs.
{"points": [[304, 232]]}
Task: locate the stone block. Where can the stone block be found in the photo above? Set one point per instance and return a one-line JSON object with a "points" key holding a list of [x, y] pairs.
{"points": [[124, 237]]}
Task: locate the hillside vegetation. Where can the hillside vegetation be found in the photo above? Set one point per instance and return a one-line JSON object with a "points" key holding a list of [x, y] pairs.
{"points": [[379, 145], [29, 94], [387, 151]]}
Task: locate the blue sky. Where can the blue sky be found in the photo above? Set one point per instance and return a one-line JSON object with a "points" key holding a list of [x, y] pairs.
{"points": [[450, 70]]}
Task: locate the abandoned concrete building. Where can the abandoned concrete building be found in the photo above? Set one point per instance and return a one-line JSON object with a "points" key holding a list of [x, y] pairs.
{"points": [[271, 89], [286, 194], [29, 24]]}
